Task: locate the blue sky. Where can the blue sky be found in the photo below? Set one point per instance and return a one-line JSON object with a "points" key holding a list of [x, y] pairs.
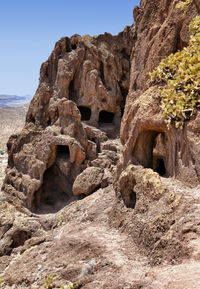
{"points": [[30, 28]]}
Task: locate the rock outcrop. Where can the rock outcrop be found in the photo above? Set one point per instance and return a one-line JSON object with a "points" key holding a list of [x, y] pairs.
{"points": [[66, 163], [79, 104], [161, 29]]}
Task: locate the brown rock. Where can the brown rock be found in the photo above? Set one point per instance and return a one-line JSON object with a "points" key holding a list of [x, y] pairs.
{"points": [[161, 28], [69, 146], [135, 182], [148, 142], [78, 104], [88, 181]]}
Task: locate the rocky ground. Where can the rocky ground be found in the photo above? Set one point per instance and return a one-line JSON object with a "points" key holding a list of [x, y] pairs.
{"points": [[80, 206], [80, 244], [89, 243], [94, 242]]}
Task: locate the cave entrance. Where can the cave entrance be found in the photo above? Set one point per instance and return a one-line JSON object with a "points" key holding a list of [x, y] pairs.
{"points": [[159, 166], [109, 124], [85, 113], [62, 151], [130, 200], [56, 189], [73, 46], [152, 151], [106, 117]]}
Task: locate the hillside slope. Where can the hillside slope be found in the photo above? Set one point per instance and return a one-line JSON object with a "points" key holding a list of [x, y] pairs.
{"points": [[80, 205]]}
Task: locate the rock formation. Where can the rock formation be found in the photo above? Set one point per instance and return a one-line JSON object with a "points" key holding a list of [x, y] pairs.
{"points": [[161, 29], [78, 105], [149, 145], [68, 158]]}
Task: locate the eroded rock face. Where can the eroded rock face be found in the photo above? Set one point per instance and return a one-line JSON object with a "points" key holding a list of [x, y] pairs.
{"points": [[158, 213], [151, 149], [91, 71], [69, 147], [78, 105], [148, 142], [161, 28]]}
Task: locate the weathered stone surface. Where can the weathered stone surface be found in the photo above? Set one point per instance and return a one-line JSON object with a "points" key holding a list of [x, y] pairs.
{"points": [[91, 71], [69, 146], [16, 228], [78, 104], [89, 180], [161, 28], [148, 142], [136, 182], [160, 213]]}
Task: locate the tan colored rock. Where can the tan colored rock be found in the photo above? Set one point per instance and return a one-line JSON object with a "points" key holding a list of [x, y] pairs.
{"points": [[15, 228], [91, 71], [68, 145], [136, 183], [78, 104], [161, 28], [88, 181], [148, 142]]}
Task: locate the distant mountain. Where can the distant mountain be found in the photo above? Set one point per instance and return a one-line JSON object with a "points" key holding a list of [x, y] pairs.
{"points": [[13, 100]]}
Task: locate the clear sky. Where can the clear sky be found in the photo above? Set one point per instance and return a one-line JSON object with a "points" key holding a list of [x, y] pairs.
{"points": [[30, 28]]}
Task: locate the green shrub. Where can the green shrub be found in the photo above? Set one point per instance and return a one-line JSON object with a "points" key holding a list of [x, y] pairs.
{"points": [[48, 281], [59, 221], [1, 281], [180, 98], [184, 4], [86, 36]]}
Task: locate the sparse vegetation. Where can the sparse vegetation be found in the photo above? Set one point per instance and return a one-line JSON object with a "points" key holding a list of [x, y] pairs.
{"points": [[180, 98], [1, 282], [86, 36], [59, 221], [184, 4], [48, 281]]}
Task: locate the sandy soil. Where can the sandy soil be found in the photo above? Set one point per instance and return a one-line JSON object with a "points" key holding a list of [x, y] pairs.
{"points": [[11, 121]]}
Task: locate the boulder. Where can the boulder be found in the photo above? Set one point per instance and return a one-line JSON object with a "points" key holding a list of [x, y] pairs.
{"points": [[88, 181]]}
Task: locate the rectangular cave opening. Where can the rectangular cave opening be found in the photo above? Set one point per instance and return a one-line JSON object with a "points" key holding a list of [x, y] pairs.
{"points": [[151, 151], [159, 154], [85, 113], [106, 117], [56, 189], [62, 151], [54, 192]]}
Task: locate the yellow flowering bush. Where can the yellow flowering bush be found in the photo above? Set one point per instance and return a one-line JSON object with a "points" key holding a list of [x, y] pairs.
{"points": [[180, 98]]}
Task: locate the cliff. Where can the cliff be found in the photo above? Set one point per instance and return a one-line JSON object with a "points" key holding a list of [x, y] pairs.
{"points": [[96, 176]]}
